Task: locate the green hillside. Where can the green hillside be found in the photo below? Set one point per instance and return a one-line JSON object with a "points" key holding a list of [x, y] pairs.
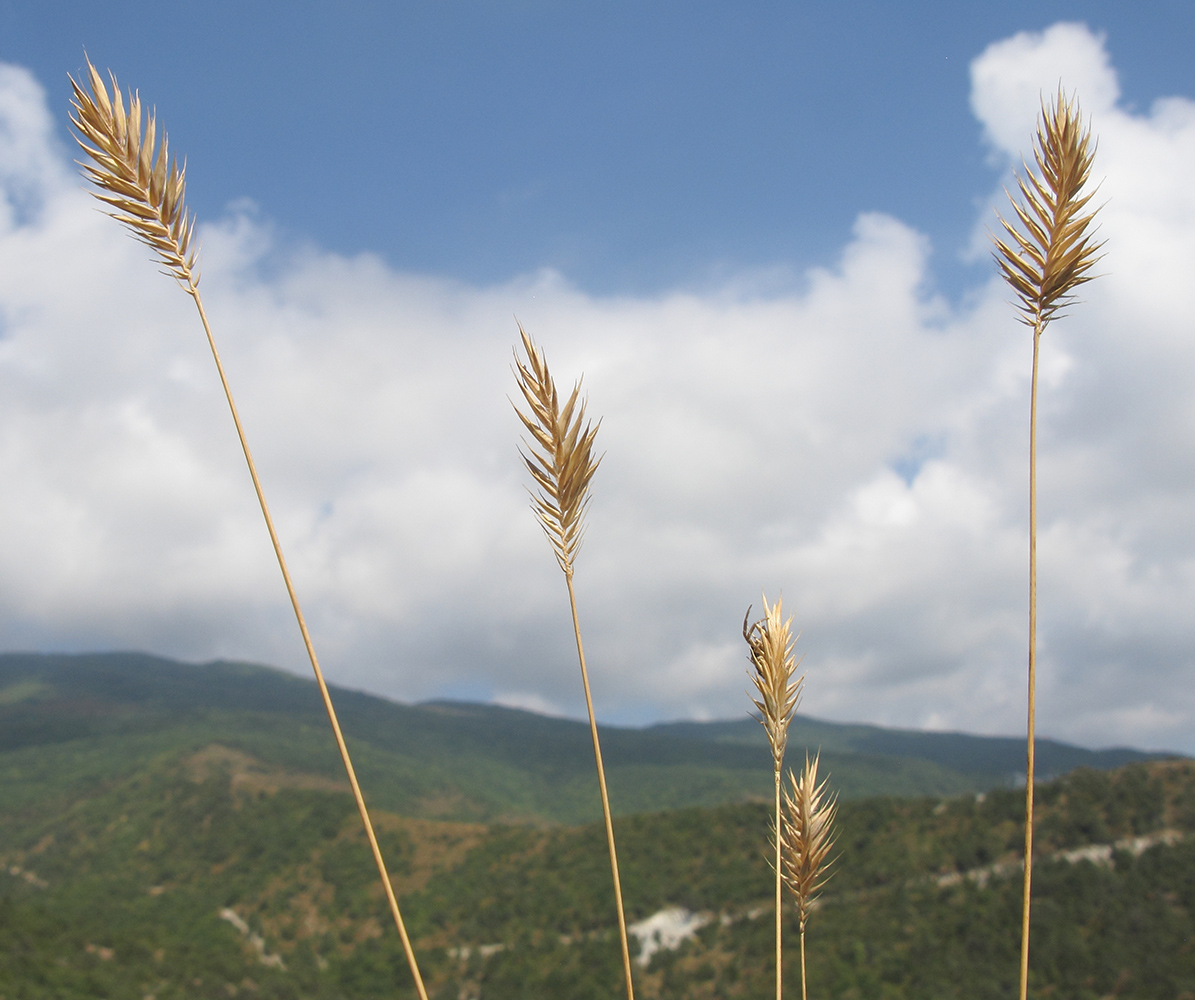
{"points": [[215, 874], [68, 722], [990, 760]]}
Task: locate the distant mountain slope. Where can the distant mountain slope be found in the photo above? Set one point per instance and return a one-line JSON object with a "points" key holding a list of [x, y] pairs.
{"points": [[217, 875], [66, 721], [987, 758]]}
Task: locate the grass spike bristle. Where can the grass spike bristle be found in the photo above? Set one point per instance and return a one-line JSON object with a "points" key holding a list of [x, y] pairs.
{"points": [[145, 188], [1051, 253], [559, 455], [773, 666], [807, 836]]}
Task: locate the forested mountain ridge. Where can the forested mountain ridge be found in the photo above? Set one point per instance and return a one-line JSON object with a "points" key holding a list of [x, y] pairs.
{"points": [[102, 717], [215, 874], [173, 831]]}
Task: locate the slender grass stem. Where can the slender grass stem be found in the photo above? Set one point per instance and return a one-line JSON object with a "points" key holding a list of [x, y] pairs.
{"points": [[146, 190], [383, 874], [804, 996], [1031, 725], [597, 756], [780, 900]]}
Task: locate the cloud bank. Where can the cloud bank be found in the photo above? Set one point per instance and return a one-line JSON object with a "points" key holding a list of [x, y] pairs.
{"points": [[856, 443]]}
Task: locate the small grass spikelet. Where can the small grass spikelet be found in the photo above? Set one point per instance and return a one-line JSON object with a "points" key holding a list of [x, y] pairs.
{"points": [[559, 455], [145, 189], [770, 641], [807, 836]]}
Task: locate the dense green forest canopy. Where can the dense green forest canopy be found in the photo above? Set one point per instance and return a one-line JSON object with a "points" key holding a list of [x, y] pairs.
{"points": [[123, 891], [161, 844]]}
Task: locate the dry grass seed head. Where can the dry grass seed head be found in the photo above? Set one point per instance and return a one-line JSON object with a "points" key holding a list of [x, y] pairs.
{"points": [[146, 190], [807, 836], [773, 666], [1051, 253], [559, 455]]}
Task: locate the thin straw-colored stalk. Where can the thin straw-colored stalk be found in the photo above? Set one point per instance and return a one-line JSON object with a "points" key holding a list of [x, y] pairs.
{"points": [[146, 190], [808, 837], [561, 462], [1044, 260], [773, 667]]}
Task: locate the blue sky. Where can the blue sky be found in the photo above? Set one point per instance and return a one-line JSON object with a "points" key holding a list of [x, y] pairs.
{"points": [[634, 147], [759, 233]]}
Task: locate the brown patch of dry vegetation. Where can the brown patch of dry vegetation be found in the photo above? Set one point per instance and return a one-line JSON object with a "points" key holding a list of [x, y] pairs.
{"points": [[297, 904], [249, 776]]}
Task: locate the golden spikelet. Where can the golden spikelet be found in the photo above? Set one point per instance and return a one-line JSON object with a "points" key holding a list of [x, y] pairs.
{"points": [[770, 641], [807, 836], [145, 189], [1051, 253], [1044, 261], [559, 456], [561, 462], [148, 198]]}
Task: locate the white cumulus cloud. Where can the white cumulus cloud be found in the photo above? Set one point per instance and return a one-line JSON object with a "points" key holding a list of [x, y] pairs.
{"points": [[858, 444]]}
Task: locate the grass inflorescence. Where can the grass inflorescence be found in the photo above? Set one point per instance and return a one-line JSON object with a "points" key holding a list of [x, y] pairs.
{"points": [[148, 198], [807, 837], [773, 672], [1044, 259], [561, 462], [1045, 253]]}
